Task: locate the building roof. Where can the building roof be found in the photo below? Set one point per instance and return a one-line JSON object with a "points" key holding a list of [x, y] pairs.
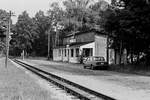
{"points": [[62, 46], [100, 32], [79, 44], [74, 44]]}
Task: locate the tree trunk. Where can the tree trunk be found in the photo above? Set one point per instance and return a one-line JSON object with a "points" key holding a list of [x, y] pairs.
{"points": [[120, 52], [138, 58], [131, 56]]}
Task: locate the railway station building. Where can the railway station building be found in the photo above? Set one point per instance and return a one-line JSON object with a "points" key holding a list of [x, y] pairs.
{"points": [[83, 44]]}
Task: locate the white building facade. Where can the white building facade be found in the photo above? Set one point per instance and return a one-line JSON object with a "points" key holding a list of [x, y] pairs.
{"points": [[78, 45]]}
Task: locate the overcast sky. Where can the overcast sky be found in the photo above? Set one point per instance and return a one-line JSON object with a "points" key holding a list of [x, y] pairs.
{"points": [[31, 6]]}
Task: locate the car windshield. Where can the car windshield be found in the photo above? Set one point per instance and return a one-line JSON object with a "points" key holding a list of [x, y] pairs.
{"points": [[99, 59]]}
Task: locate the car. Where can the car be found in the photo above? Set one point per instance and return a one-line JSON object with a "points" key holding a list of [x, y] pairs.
{"points": [[93, 62]]}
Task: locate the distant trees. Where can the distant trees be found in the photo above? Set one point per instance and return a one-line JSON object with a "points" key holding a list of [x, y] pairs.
{"points": [[3, 29], [3, 17], [128, 24], [98, 14], [25, 33], [76, 13], [56, 16], [31, 34], [3, 21], [125, 21], [42, 25]]}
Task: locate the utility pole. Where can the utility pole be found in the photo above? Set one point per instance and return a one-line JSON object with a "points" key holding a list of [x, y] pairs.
{"points": [[7, 38]]}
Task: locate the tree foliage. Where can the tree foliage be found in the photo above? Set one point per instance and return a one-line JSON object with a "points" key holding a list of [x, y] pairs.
{"points": [[42, 25], [25, 32], [3, 17], [77, 12], [128, 25], [31, 34], [3, 29]]}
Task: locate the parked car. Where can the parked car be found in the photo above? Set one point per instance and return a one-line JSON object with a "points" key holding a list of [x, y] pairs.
{"points": [[95, 62]]}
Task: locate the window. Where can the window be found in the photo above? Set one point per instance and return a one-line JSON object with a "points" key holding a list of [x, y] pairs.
{"points": [[87, 52], [65, 52], [77, 52], [72, 52]]}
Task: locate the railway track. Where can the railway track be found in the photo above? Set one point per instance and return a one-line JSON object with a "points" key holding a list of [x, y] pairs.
{"points": [[72, 88]]}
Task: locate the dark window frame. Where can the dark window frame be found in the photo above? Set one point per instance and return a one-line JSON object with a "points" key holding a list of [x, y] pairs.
{"points": [[72, 52], [65, 53]]}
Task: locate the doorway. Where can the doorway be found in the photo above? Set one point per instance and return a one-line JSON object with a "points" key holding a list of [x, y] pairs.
{"points": [[87, 52]]}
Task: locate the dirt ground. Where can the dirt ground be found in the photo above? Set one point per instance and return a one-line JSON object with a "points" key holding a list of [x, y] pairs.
{"points": [[129, 86], [128, 80]]}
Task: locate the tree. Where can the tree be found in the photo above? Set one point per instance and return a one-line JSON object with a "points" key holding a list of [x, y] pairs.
{"points": [[25, 32], [42, 24], [3, 17], [98, 14], [76, 13], [3, 22], [128, 24], [56, 16], [3, 29]]}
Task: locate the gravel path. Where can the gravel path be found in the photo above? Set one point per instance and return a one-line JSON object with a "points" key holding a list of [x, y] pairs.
{"points": [[119, 85], [129, 80]]}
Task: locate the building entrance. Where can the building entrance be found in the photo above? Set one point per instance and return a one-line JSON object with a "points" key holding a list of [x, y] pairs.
{"points": [[87, 52]]}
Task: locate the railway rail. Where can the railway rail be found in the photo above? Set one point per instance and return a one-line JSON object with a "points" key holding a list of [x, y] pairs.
{"points": [[72, 88]]}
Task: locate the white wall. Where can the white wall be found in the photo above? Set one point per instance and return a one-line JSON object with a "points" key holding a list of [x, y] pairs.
{"points": [[65, 57], [101, 46], [99, 49], [56, 55], [73, 59], [89, 45]]}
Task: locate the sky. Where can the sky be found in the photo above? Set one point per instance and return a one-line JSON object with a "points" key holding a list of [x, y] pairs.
{"points": [[31, 6]]}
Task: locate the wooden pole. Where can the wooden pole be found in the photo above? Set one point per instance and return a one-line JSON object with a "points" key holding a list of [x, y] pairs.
{"points": [[7, 38]]}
